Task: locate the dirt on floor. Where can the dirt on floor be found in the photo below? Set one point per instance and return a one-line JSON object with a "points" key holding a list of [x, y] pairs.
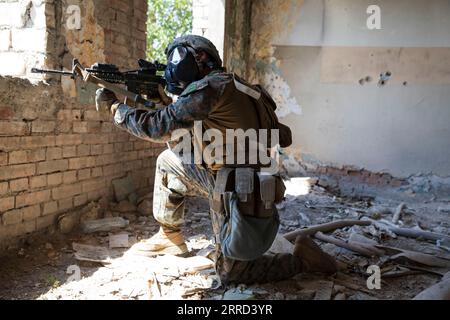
{"points": [[84, 266]]}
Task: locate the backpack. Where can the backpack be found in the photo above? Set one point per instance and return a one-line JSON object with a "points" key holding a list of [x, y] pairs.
{"points": [[265, 107]]}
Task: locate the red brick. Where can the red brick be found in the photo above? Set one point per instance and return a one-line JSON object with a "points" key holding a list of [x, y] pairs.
{"points": [[100, 138], [93, 185], [107, 127], [140, 5], [6, 113], [83, 150], [69, 177], [65, 204], [69, 115], [31, 213], [108, 159], [120, 28], [110, 14], [54, 179], [13, 128], [140, 145], [123, 18], [6, 204], [69, 152], [54, 153], [3, 158], [95, 195], [29, 199], [38, 182], [81, 163], [43, 126], [139, 35], [130, 156], [68, 140], [64, 127], [97, 172], [50, 207], [18, 185], [121, 5], [93, 115], [17, 171], [119, 147], [36, 155], [65, 191], [108, 148], [80, 127], [10, 143], [146, 154], [84, 174], [94, 127], [18, 157], [12, 217], [37, 142], [108, 170], [128, 147], [52, 166], [96, 149], [3, 188]]}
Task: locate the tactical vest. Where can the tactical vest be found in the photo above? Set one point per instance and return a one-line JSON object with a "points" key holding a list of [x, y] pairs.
{"points": [[240, 111]]}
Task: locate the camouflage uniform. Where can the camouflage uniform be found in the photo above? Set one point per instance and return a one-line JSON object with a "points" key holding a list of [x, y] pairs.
{"points": [[174, 180]]}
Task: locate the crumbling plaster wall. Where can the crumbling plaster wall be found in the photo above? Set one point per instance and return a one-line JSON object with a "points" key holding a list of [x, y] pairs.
{"points": [[323, 66], [57, 153]]}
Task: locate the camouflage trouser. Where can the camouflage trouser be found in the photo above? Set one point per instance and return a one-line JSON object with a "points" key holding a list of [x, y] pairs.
{"points": [[176, 180]]}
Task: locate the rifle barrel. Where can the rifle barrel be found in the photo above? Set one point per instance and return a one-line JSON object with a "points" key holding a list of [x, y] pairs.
{"points": [[63, 73]]}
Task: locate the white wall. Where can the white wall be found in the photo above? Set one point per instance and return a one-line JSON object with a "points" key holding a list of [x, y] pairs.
{"points": [[401, 127], [23, 38], [405, 23], [209, 21]]}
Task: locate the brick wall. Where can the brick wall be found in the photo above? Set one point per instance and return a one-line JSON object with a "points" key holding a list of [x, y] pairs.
{"points": [[58, 154], [125, 35]]}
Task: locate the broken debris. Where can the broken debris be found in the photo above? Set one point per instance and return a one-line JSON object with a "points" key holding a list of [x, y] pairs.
{"points": [[119, 241], [123, 188], [104, 225]]}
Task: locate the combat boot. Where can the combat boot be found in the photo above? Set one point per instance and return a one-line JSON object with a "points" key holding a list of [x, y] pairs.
{"points": [[166, 241], [314, 259]]}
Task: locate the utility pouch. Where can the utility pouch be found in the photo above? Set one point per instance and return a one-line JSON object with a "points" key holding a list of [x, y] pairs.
{"points": [[246, 238], [245, 187], [267, 190]]}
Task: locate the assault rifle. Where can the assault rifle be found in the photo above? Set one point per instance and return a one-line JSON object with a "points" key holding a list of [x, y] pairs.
{"points": [[144, 81]]}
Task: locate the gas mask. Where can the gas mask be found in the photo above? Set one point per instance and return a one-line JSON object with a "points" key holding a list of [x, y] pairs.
{"points": [[182, 69]]}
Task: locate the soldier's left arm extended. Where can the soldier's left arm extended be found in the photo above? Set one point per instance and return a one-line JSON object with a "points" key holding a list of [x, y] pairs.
{"points": [[158, 125]]}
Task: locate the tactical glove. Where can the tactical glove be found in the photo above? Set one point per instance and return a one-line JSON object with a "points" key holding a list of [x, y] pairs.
{"points": [[105, 99], [165, 99]]}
